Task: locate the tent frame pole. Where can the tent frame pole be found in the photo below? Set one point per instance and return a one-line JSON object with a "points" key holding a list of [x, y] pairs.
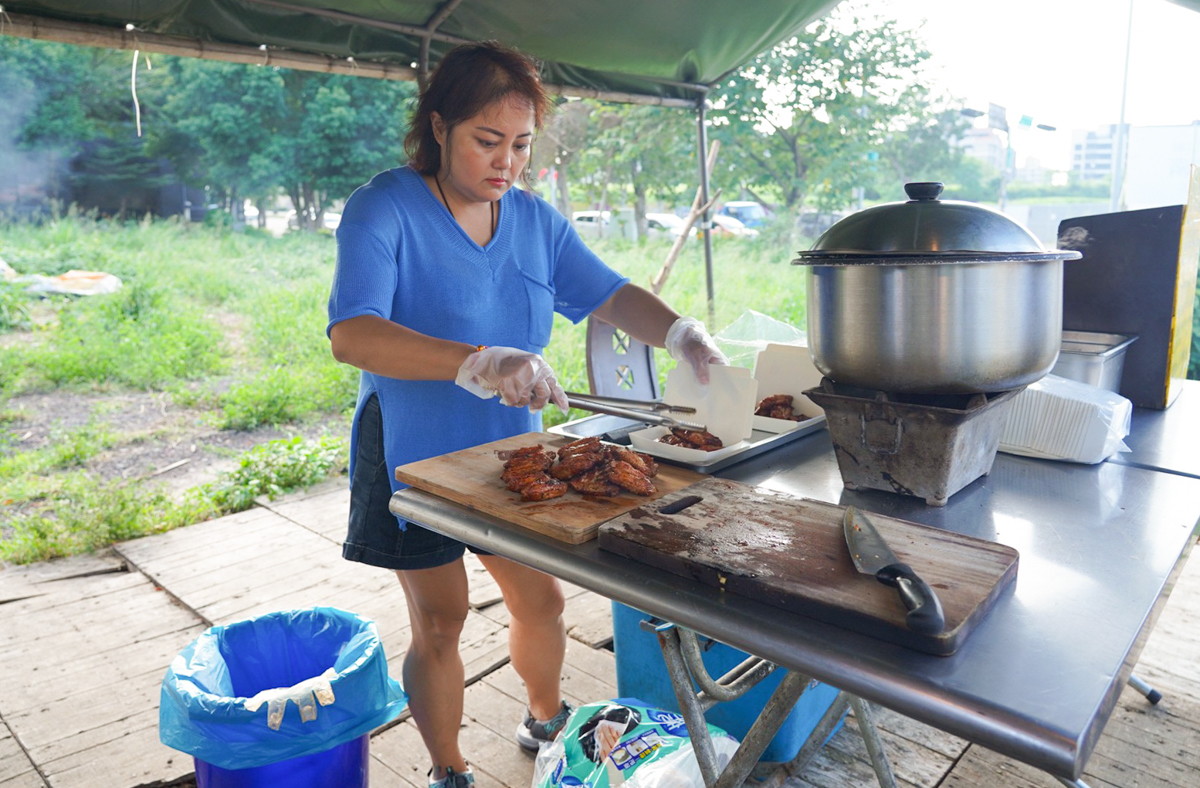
{"points": [[706, 219]]}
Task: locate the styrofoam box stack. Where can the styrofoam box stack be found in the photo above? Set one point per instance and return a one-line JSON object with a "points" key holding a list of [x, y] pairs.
{"points": [[1060, 419]]}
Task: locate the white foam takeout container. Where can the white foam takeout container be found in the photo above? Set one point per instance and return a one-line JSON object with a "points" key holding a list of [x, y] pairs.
{"points": [[725, 406], [778, 369], [786, 369]]}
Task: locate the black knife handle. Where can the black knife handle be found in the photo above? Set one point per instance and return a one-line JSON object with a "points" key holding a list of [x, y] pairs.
{"points": [[924, 608]]}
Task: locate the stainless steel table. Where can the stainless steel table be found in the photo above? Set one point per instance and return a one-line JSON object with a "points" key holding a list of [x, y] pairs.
{"points": [[1037, 680], [1167, 440]]}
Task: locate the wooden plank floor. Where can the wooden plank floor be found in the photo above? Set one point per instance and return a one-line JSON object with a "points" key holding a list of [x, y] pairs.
{"points": [[86, 640]]}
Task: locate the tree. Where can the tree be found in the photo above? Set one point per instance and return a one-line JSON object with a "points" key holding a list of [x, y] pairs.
{"points": [[650, 149], [921, 147], [218, 124], [249, 131], [116, 175], [798, 121], [641, 152], [560, 141]]}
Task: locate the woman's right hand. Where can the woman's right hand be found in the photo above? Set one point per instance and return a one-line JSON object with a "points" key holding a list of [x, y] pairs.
{"points": [[518, 377]]}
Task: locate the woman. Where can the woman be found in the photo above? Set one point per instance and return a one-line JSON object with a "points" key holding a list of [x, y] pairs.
{"points": [[446, 284]]}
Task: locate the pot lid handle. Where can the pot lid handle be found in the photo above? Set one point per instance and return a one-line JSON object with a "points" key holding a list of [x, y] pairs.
{"points": [[923, 192]]}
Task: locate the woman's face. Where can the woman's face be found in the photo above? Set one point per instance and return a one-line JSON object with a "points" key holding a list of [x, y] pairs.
{"points": [[483, 156]]}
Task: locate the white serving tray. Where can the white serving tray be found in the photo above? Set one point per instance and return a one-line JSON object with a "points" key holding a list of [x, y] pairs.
{"points": [[607, 427]]}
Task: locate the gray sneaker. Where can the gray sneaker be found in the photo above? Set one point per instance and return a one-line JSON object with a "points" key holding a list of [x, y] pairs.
{"points": [[532, 734], [453, 779]]}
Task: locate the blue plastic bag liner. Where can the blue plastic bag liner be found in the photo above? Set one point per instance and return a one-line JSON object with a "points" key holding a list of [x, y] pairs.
{"points": [[624, 742], [279, 686]]}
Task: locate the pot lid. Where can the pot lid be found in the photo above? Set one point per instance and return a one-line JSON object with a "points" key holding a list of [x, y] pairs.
{"points": [[927, 230]]}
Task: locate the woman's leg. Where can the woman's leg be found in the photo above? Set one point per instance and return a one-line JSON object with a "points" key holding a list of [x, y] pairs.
{"points": [[537, 638], [433, 668]]}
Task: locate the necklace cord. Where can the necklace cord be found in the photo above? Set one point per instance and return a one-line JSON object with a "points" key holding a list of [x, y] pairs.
{"points": [[491, 205]]}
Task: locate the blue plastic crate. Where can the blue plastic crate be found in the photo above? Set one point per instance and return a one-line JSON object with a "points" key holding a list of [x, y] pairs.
{"points": [[641, 673]]}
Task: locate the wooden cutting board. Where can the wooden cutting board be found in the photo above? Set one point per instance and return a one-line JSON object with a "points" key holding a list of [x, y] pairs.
{"points": [[471, 477], [790, 552]]}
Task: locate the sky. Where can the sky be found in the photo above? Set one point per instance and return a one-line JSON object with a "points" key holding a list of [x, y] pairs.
{"points": [[1062, 63]]}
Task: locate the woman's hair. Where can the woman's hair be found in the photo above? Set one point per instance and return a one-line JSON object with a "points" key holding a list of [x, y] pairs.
{"points": [[468, 79]]}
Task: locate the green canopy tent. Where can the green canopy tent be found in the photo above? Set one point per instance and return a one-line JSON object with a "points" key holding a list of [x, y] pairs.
{"points": [[622, 50], [666, 53]]}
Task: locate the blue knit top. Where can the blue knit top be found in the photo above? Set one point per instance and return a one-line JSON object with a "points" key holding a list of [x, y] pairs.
{"points": [[402, 257]]}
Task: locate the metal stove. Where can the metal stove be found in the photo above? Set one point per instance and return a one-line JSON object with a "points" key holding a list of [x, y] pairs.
{"points": [[925, 445]]}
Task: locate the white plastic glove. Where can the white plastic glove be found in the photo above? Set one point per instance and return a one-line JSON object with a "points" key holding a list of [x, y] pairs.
{"points": [[688, 341], [518, 377]]}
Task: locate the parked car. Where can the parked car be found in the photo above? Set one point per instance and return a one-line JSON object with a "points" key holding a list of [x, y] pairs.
{"points": [[748, 212], [665, 225], [812, 224], [730, 227], [591, 224]]}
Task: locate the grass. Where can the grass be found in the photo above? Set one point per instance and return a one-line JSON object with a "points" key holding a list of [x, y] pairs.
{"points": [[232, 325], [69, 513]]}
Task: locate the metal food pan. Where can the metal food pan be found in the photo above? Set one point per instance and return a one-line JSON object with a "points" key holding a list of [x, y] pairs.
{"points": [[1093, 358]]}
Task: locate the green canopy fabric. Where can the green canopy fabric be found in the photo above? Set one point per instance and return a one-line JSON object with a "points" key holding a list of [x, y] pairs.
{"points": [[671, 50]]}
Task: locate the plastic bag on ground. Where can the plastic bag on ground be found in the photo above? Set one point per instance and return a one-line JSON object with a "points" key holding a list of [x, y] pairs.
{"points": [[625, 742], [279, 686]]}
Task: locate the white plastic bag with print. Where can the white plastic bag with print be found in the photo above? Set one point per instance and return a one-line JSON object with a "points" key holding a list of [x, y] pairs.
{"points": [[625, 743]]}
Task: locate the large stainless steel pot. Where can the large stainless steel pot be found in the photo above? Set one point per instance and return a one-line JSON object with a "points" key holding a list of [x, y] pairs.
{"points": [[933, 296]]}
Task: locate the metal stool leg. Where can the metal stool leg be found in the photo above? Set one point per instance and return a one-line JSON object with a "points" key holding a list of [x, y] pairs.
{"points": [[1152, 695], [1073, 783], [870, 735], [684, 664]]}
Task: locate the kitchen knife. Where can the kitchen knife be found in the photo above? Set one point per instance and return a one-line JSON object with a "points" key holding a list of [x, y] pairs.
{"points": [[872, 556]]}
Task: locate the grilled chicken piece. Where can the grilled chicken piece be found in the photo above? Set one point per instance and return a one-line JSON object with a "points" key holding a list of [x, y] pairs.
{"points": [[629, 478], [540, 462], [772, 402], [704, 441], [517, 480], [643, 462], [543, 490], [594, 482], [524, 451], [581, 445], [779, 406], [572, 465]]}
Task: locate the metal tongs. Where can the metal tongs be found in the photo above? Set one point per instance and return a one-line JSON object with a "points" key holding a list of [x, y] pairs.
{"points": [[650, 412]]}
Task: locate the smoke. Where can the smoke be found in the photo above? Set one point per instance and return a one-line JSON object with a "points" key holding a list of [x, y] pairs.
{"points": [[29, 178]]}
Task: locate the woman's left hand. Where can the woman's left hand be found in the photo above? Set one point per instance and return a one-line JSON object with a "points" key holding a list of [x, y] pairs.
{"points": [[521, 379], [687, 340]]}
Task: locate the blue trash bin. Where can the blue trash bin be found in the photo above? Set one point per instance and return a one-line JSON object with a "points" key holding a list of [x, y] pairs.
{"points": [[287, 700], [642, 673]]}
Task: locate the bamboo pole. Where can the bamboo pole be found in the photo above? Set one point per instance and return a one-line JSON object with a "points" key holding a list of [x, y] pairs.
{"points": [[698, 210]]}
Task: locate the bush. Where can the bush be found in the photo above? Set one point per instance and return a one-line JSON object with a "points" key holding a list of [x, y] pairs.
{"points": [[14, 311], [286, 393], [275, 468]]}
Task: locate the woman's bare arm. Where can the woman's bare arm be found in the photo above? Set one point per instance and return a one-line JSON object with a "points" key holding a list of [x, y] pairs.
{"points": [[385, 348], [639, 313]]}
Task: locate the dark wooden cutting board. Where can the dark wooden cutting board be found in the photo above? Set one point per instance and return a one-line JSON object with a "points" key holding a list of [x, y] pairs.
{"points": [[790, 552], [471, 477]]}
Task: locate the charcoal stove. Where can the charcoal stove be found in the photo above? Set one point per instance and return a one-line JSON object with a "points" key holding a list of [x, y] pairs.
{"points": [[925, 445]]}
